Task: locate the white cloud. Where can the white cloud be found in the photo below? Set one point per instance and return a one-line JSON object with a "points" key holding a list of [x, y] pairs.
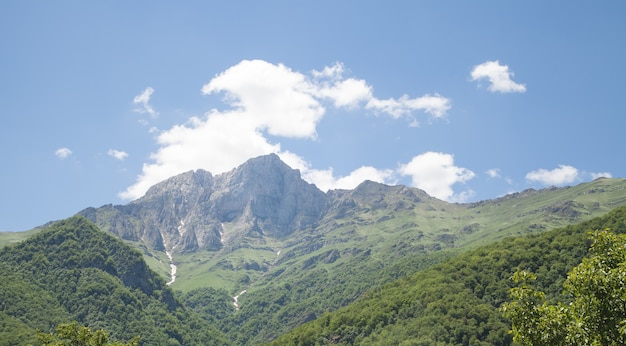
{"points": [[218, 143], [332, 72], [601, 175], [499, 77], [120, 155], [264, 98], [363, 173], [63, 153], [325, 180], [143, 100], [562, 175], [436, 173], [347, 93], [351, 93], [435, 105], [493, 173], [269, 97]]}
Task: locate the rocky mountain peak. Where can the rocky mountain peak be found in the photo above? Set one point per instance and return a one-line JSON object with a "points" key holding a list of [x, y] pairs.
{"points": [[258, 174], [196, 210], [268, 195]]}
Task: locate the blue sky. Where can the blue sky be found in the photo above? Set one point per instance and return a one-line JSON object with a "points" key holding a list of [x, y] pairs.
{"points": [[466, 100]]}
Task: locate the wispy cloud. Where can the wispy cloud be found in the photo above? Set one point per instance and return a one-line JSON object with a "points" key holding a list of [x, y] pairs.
{"points": [[564, 174], [271, 99], [493, 173], [120, 155], [499, 77], [63, 153], [143, 100], [601, 175]]}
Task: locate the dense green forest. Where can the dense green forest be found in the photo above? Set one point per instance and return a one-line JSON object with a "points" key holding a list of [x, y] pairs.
{"points": [[457, 302], [74, 272]]}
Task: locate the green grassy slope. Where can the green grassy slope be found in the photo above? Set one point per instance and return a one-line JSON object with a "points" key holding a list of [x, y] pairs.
{"points": [[9, 238]]}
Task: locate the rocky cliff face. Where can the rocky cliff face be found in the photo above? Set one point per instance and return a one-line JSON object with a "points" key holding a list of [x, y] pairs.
{"points": [[268, 195], [196, 210]]}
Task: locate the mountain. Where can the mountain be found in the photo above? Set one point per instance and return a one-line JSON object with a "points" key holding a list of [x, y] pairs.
{"points": [[258, 251], [286, 252], [187, 213], [73, 271], [264, 213]]}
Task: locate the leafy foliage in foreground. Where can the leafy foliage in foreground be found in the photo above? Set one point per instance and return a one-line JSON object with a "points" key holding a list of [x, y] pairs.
{"points": [[458, 301], [75, 335], [74, 272], [597, 313]]}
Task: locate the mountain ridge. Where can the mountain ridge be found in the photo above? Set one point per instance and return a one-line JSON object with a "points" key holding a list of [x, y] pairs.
{"points": [[186, 213], [266, 206], [297, 252], [262, 213]]}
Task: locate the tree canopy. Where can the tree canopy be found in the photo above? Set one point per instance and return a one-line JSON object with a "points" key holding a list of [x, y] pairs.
{"points": [[75, 335], [596, 311]]}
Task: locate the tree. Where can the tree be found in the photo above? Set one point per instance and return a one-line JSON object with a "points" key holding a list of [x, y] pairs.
{"points": [[596, 313], [71, 334]]}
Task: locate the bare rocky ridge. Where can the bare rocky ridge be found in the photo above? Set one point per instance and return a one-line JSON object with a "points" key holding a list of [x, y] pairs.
{"points": [[186, 213]]}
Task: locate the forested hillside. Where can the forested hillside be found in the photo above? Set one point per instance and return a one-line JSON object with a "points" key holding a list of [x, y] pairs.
{"points": [[457, 301], [74, 272]]}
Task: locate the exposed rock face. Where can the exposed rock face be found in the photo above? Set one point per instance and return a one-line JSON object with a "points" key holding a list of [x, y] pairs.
{"points": [[188, 212], [268, 194]]}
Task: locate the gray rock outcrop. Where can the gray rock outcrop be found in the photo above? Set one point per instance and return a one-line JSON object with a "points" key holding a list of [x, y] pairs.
{"points": [[189, 212]]}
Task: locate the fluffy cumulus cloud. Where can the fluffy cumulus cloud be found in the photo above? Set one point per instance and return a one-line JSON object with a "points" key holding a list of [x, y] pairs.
{"points": [[143, 101], [117, 154], [436, 174], [268, 97], [559, 176], [499, 76], [265, 99], [63, 153]]}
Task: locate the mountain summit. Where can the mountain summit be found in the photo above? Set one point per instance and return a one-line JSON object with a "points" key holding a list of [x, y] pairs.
{"points": [[196, 210]]}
